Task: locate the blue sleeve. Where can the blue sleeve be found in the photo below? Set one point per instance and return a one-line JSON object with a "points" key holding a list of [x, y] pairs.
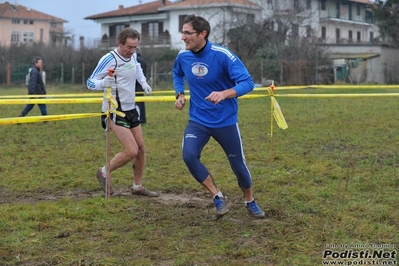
{"points": [[240, 75], [178, 76], [101, 70]]}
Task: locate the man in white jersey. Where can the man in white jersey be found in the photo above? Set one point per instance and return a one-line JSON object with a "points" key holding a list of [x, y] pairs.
{"points": [[123, 61]]}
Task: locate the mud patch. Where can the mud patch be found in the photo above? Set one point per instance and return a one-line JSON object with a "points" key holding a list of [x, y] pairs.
{"points": [[7, 196]]}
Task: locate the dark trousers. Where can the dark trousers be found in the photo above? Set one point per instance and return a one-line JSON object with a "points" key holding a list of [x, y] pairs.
{"points": [[141, 106], [29, 107]]}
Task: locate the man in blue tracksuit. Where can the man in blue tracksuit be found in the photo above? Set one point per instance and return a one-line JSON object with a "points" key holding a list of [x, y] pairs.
{"points": [[216, 77]]}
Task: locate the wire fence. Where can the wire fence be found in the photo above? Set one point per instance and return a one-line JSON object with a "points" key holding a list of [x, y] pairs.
{"points": [[56, 74], [159, 74]]}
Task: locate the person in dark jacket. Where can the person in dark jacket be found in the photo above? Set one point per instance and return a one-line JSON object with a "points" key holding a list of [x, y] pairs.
{"points": [[36, 86], [139, 89]]}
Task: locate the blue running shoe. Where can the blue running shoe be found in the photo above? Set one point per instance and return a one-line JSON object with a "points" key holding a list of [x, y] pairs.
{"points": [[221, 206], [254, 210]]}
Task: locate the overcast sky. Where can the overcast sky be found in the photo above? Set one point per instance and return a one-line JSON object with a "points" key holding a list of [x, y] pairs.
{"points": [[74, 11]]}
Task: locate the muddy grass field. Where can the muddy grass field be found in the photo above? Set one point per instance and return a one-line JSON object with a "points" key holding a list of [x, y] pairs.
{"points": [[328, 181]]}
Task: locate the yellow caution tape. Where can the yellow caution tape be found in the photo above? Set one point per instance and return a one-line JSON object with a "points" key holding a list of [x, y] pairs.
{"points": [[34, 119], [275, 111], [111, 98], [119, 113], [341, 95], [281, 88], [100, 94], [379, 86], [278, 115], [49, 96], [51, 101]]}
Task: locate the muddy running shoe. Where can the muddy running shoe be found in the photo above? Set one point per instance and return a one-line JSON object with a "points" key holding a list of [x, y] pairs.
{"points": [[254, 210], [143, 192], [221, 206], [102, 180]]}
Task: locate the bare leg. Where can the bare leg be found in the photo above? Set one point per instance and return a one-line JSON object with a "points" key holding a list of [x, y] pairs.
{"points": [[130, 151], [220, 202], [248, 196], [210, 185], [139, 165], [139, 160]]}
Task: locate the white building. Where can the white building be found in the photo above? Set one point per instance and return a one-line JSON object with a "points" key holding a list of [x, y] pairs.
{"points": [[160, 22], [346, 27]]}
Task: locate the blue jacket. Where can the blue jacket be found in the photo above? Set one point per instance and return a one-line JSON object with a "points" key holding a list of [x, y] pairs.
{"points": [[35, 84], [215, 68]]}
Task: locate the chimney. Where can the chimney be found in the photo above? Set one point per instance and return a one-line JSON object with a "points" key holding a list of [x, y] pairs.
{"points": [[82, 42], [120, 6]]}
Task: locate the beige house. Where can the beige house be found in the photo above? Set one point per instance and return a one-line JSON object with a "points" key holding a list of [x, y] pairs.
{"points": [[20, 24]]}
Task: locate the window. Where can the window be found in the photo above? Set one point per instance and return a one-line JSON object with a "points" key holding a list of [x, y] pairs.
{"points": [[270, 1], [371, 37], [323, 5], [25, 21], [323, 33], [41, 35], [15, 37], [53, 25], [338, 10], [114, 30], [308, 4], [358, 9], [31, 37], [31, 22], [337, 35], [350, 11], [153, 30], [181, 19], [295, 30], [28, 37], [250, 18], [15, 21], [119, 28], [350, 36], [296, 5], [308, 31], [358, 36], [369, 17]]}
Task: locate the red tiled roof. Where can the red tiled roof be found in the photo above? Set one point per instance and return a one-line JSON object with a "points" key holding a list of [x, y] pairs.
{"points": [[363, 2], [190, 3], [147, 8], [8, 10]]}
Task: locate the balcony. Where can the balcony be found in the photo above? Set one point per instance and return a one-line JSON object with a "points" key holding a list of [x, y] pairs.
{"points": [[145, 41]]}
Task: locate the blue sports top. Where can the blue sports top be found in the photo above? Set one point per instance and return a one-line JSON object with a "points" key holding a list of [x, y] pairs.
{"points": [[215, 68]]}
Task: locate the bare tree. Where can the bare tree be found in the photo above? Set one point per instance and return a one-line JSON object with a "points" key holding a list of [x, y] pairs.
{"points": [[282, 44], [387, 14]]}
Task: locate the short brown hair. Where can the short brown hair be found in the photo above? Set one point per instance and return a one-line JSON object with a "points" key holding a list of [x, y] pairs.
{"points": [[128, 33], [198, 23]]}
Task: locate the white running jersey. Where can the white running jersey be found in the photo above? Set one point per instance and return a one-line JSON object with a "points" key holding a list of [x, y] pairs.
{"points": [[127, 70]]}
